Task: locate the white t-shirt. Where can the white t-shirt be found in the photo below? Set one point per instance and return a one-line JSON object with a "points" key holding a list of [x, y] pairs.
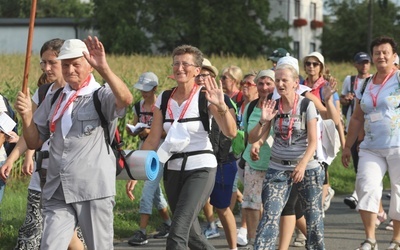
{"points": [[199, 139], [3, 108]]}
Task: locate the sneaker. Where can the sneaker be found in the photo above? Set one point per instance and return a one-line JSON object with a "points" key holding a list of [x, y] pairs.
{"points": [[389, 227], [219, 224], [163, 231], [394, 245], [380, 218], [368, 245], [138, 238], [328, 198], [351, 201], [211, 233], [242, 237], [388, 195], [299, 239]]}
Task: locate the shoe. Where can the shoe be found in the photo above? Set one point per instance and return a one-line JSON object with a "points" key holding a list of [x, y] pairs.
{"points": [[163, 231], [351, 201], [368, 245], [389, 227], [388, 195], [219, 224], [211, 233], [328, 198], [242, 237], [380, 218], [394, 245], [299, 239], [138, 238]]}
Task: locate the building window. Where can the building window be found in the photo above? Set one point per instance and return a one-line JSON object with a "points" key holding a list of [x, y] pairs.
{"points": [[312, 47], [297, 8], [313, 11], [296, 49]]}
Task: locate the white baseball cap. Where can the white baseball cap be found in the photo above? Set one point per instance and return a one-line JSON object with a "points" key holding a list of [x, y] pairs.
{"points": [[72, 48]]}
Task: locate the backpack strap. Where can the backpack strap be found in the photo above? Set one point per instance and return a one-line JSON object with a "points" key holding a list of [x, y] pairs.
{"points": [[137, 108], [55, 96], [352, 81], [365, 85], [42, 91], [203, 109], [104, 123], [250, 109]]}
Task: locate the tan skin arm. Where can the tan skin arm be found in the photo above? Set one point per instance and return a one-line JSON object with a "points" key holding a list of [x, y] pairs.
{"points": [[355, 126]]}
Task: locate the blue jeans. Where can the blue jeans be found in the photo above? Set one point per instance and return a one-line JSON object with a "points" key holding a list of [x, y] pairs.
{"points": [[276, 190], [2, 184], [152, 194]]}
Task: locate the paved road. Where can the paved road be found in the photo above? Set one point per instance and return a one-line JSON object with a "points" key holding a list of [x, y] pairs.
{"points": [[343, 230]]}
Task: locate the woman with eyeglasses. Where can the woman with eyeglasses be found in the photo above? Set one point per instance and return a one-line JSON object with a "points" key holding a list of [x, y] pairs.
{"points": [[314, 66], [190, 167]]}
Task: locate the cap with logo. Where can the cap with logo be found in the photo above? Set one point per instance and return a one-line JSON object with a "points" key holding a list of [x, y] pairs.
{"points": [[277, 54]]}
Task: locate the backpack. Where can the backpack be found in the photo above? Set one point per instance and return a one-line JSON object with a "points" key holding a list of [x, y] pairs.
{"points": [[139, 112], [11, 113], [345, 108], [203, 109], [116, 143]]}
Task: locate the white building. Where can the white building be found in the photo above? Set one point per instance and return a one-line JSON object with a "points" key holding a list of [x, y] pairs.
{"points": [[306, 20]]}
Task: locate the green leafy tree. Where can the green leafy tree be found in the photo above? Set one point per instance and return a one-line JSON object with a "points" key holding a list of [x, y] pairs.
{"points": [[45, 8], [347, 33], [217, 27]]}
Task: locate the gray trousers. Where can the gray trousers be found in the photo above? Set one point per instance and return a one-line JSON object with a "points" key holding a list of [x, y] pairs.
{"points": [[95, 218], [187, 193]]}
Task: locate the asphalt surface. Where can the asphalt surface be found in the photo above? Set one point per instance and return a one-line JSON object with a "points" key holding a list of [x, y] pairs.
{"points": [[343, 230]]}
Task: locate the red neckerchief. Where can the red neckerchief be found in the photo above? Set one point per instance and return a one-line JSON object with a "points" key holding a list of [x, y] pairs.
{"points": [[188, 101], [291, 121], [318, 84], [69, 102]]}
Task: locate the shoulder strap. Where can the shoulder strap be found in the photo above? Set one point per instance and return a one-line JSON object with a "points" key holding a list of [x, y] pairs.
{"points": [[104, 123], [352, 80], [55, 96], [164, 101], [304, 105], [365, 85], [250, 109], [42, 91], [137, 108], [203, 110]]}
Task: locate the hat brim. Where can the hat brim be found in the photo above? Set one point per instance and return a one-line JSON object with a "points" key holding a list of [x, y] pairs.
{"points": [[274, 59], [143, 87], [70, 55], [212, 69]]}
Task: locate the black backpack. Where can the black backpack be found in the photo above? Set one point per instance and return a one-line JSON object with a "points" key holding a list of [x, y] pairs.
{"points": [[11, 113]]}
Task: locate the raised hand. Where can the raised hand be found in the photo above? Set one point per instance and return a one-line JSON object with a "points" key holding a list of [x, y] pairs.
{"points": [[97, 54], [214, 93], [268, 111]]}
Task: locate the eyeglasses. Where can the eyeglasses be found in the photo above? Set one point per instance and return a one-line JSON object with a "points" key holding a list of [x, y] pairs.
{"points": [[223, 77], [315, 64], [202, 76], [247, 84], [51, 63], [184, 65]]}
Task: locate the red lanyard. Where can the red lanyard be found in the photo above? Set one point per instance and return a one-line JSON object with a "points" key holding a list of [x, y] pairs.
{"points": [[71, 100], [375, 97], [171, 116], [146, 117], [291, 121]]}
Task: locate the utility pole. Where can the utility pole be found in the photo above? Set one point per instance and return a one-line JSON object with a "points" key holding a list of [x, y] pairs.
{"points": [[370, 22]]}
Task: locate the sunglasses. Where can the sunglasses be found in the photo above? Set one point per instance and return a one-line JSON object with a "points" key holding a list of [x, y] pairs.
{"points": [[223, 77], [315, 64], [247, 84]]}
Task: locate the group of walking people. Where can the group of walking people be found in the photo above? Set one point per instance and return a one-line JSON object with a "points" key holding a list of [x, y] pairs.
{"points": [[262, 128]]}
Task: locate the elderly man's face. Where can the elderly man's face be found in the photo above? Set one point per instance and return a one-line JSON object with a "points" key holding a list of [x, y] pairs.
{"points": [[75, 71]]}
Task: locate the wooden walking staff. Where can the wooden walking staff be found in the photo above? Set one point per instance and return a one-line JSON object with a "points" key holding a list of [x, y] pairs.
{"points": [[29, 47]]}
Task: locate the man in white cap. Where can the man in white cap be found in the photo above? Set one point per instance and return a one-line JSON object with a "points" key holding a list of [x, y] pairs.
{"points": [[80, 183]]}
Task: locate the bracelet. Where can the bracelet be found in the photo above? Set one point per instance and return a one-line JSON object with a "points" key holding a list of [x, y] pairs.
{"points": [[222, 112]]}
